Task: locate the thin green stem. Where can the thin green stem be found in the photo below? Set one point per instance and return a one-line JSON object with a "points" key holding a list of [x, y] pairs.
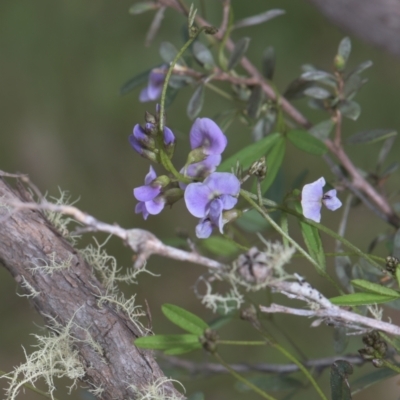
{"points": [[33, 388], [167, 164], [322, 228], [245, 194], [302, 369], [168, 76], [219, 91], [243, 380], [243, 342], [393, 367]]}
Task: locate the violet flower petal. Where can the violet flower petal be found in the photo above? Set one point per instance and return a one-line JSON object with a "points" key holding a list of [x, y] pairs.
{"points": [[214, 211], [155, 206], [312, 210], [141, 208], [138, 147], [146, 192], [330, 200], [144, 95], [206, 133], [204, 229], [221, 183], [228, 201], [169, 137], [154, 87], [197, 196], [151, 175]]}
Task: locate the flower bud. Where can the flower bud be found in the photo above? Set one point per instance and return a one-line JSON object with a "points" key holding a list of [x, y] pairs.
{"points": [[162, 181], [259, 168], [377, 363], [392, 264], [150, 155], [231, 215], [173, 195], [195, 156], [150, 118], [339, 63]]}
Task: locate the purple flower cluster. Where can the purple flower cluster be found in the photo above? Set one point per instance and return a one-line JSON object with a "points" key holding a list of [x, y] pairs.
{"points": [[312, 198], [207, 200], [210, 196], [155, 85]]}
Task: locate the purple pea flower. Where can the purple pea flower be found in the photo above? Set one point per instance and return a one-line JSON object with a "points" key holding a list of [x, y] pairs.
{"points": [[208, 142], [312, 198], [143, 141], [155, 84], [149, 196], [207, 200]]}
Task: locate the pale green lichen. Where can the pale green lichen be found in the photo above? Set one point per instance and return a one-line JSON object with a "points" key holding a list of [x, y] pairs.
{"points": [[60, 221], [31, 291], [53, 264], [157, 390], [55, 358]]}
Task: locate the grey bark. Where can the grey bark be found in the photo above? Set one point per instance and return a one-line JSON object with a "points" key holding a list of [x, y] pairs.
{"points": [[374, 21], [26, 237]]}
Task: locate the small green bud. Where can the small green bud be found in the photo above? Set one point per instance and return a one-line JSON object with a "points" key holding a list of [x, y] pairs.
{"points": [[377, 363], [150, 118], [259, 168], [211, 30], [150, 155], [339, 63], [231, 215], [173, 195], [162, 181], [392, 264], [195, 156]]}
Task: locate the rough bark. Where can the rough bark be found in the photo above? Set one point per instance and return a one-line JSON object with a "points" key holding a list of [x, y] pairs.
{"points": [[374, 21], [26, 237]]}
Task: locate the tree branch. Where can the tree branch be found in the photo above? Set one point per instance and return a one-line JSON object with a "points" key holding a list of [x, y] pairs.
{"points": [[72, 294]]}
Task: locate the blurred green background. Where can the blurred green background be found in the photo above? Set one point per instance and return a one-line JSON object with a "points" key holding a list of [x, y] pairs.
{"points": [[64, 123]]}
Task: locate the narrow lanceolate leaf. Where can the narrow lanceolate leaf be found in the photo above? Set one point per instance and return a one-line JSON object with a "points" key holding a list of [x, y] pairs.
{"points": [[344, 49], [184, 319], [183, 349], [374, 287], [162, 342], [195, 103], [255, 101], [359, 299], [322, 130], [296, 89], [316, 75], [274, 162], [238, 52], [220, 246], [168, 52], [340, 387], [313, 242], [361, 67], [141, 7], [372, 136], [306, 142], [250, 153], [371, 378], [317, 93], [136, 81], [203, 55], [258, 19], [268, 62], [350, 109]]}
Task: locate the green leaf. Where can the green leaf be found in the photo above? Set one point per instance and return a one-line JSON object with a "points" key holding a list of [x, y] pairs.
{"points": [[296, 89], [255, 101], [203, 55], [238, 52], [352, 85], [361, 67], [258, 19], [340, 339], [274, 161], [162, 342], [344, 49], [396, 244], [221, 321], [137, 80], [350, 109], [343, 268], [268, 62], [316, 75], [250, 221], [322, 130], [374, 287], [250, 153], [340, 387], [371, 136], [359, 299], [306, 142], [371, 378], [313, 242], [184, 319], [170, 96], [220, 246], [141, 7], [318, 93], [195, 103], [196, 396], [168, 52], [183, 349]]}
